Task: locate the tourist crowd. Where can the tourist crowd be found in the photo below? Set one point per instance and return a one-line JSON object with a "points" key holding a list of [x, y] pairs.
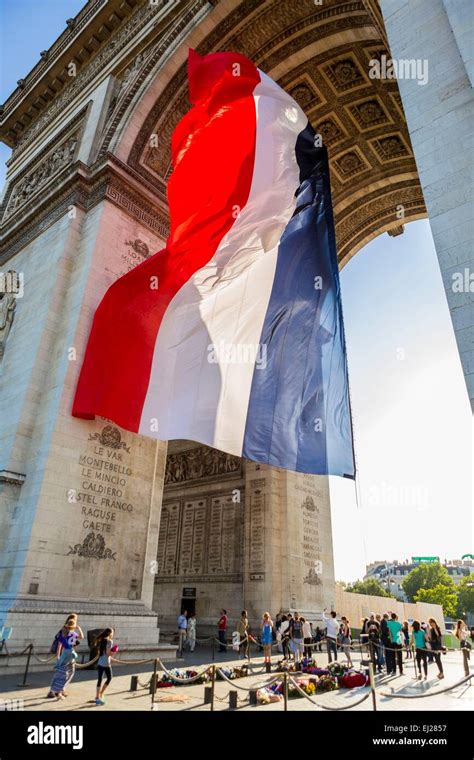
{"points": [[383, 639]]}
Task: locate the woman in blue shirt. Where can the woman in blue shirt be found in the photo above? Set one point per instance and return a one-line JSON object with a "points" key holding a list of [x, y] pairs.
{"points": [[419, 642]]}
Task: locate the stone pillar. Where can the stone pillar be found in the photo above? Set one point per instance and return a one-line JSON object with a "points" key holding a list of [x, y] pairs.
{"points": [[288, 543], [79, 529], [440, 119]]}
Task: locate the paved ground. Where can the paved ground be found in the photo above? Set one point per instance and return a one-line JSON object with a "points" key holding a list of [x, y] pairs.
{"points": [[81, 691]]}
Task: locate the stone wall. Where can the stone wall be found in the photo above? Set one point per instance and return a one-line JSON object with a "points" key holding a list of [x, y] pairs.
{"points": [[358, 606]]}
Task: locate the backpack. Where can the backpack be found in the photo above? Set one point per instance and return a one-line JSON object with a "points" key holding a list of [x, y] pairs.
{"points": [[55, 645]]}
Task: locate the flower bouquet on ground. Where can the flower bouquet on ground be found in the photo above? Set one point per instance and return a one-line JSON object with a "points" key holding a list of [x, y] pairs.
{"points": [[240, 671], [337, 669], [353, 679], [266, 694], [233, 672], [167, 680], [327, 683], [285, 666]]}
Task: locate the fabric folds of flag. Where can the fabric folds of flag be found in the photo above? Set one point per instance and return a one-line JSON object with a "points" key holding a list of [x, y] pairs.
{"points": [[232, 335]]}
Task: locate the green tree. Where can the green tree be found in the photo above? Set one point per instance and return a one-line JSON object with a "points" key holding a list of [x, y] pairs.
{"points": [[370, 586], [440, 594], [427, 575], [466, 596]]}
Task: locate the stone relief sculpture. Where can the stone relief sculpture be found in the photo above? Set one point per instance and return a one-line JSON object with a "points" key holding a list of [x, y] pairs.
{"points": [[313, 578], [61, 157], [198, 463], [7, 313]]}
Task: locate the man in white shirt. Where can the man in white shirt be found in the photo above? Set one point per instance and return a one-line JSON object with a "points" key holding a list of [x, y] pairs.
{"points": [[332, 630], [182, 629]]}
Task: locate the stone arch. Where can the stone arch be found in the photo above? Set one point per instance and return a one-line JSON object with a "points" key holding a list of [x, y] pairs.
{"points": [[322, 55]]}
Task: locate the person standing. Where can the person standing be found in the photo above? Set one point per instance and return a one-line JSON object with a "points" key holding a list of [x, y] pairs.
{"points": [[64, 646], [373, 634], [406, 636], [243, 631], [191, 632], [395, 645], [461, 633], [427, 630], [332, 631], [182, 630], [418, 641], [318, 636], [267, 636], [346, 639], [285, 636], [307, 637], [222, 630], [105, 643], [363, 639], [387, 653], [296, 637], [436, 643], [379, 619]]}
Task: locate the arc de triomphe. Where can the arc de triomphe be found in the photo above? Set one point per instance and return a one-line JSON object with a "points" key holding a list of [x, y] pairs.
{"points": [[85, 200]]}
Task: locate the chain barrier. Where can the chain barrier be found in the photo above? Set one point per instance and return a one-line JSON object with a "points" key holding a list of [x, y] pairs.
{"points": [[184, 680], [45, 662], [84, 665], [328, 707], [16, 654], [130, 662]]}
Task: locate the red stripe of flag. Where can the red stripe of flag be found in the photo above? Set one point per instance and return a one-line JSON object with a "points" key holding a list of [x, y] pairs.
{"points": [[213, 150]]}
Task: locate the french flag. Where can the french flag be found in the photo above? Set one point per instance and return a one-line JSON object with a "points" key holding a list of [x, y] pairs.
{"points": [[232, 335]]}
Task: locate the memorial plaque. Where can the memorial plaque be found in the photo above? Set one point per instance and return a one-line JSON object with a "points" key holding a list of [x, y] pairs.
{"points": [[214, 556], [257, 534], [168, 541]]}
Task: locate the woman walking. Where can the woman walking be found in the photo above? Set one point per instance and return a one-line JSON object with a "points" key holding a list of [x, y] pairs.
{"points": [[346, 639], [436, 642], [105, 643], [419, 642], [267, 636], [64, 646]]}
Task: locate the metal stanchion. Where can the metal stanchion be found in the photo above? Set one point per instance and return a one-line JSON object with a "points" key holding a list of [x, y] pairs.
{"points": [[134, 683], [465, 655], [25, 675], [372, 685], [153, 683], [213, 686], [285, 691], [232, 700]]}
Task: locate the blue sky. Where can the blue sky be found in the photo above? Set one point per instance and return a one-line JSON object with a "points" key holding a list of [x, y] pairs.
{"points": [[412, 419]]}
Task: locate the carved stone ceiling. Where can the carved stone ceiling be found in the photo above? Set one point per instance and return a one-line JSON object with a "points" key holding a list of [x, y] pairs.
{"points": [[320, 54]]}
